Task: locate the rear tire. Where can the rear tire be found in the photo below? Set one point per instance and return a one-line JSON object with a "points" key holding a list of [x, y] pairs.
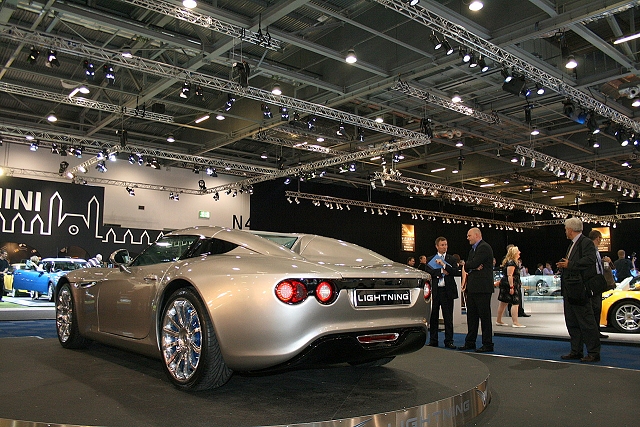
{"points": [[190, 350], [67, 320], [52, 292]]}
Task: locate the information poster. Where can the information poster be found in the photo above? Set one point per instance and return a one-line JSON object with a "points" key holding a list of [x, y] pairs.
{"points": [[605, 242], [408, 238]]}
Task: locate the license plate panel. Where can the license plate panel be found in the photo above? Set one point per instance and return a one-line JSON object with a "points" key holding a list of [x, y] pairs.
{"points": [[381, 297]]}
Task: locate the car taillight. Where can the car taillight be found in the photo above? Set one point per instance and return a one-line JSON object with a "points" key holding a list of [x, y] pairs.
{"points": [[291, 291], [427, 290], [325, 292]]}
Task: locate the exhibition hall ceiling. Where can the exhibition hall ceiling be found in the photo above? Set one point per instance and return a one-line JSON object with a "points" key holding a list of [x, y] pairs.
{"points": [[394, 104]]}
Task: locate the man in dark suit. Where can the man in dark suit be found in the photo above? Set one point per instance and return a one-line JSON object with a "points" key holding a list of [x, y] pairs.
{"points": [[479, 287], [422, 264], [443, 291], [577, 268]]}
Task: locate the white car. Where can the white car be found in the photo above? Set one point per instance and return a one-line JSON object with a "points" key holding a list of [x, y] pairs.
{"points": [[541, 285]]}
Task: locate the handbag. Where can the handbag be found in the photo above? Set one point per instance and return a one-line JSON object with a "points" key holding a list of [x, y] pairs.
{"points": [[597, 284]]}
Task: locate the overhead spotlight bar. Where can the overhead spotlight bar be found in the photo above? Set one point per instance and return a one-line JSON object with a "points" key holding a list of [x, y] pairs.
{"points": [[556, 166], [209, 22], [163, 70], [426, 188], [413, 91], [476, 43], [381, 209]]}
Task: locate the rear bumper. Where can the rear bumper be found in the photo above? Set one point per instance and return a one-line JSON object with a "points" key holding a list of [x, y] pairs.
{"points": [[345, 348]]}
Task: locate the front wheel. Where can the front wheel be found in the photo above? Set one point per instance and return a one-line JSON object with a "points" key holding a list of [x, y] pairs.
{"points": [[67, 320], [190, 349], [625, 316]]}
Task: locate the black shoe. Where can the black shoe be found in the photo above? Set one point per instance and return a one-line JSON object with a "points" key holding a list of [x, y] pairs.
{"points": [[485, 349], [433, 343], [467, 347], [604, 336], [450, 345], [590, 359], [571, 356], [524, 315]]}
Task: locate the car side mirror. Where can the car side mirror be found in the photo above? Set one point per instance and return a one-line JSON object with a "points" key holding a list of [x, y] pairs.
{"points": [[120, 259]]}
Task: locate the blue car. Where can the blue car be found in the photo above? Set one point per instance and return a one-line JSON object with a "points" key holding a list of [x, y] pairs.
{"points": [[41, 279]]}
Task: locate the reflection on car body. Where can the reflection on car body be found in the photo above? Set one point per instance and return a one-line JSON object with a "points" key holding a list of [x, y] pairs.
{"points": [[208, 301], [541, 285]]}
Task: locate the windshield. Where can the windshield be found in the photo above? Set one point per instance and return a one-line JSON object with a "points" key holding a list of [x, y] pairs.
{"points": [[69, 265], [167, 249], [286, 241]]}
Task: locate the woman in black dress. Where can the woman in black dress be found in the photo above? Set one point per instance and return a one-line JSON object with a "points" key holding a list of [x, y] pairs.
{"points": [[509, 286]]}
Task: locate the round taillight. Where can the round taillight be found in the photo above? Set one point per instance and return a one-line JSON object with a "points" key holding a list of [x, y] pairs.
{"points": [[427, 290], [325, 292], [291, 291]]}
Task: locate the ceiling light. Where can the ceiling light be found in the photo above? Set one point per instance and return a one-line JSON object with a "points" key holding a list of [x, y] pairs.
{"points": [[186, 88], [535, 132], [437, 170], [571, 62], [476, 5], [230, 101], [437, 43], [266, 111], [170, 138], [52, 59], [413, 2], [33, 55], [447, 47], [351, 56], [466, 56], [276, 89], [539, 89], [627, 38], [89, 69], [379, 120], [636, 103], [189, 4], [456, 97], [557, 197], [52, 117], [203, 118], [264, 155], [126, 52], [490, 184], [109, 73], [482, 63], [219, 117], [506, 75], [459, 144], [320, 139]]}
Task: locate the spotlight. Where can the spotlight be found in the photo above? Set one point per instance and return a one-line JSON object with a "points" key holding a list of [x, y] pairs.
{"points": [[284, 114], [89, 69], [243, 70], [437, 43], [476, 5], [473, 61], [189, 4], [592, 123], [311, 123], [571, 62], [33, 55], [132, 159], [352, 167], [569, 109], [425, 127], [199, 92], [113, 156], [276, 89], [130, 191], [101, 167], [230, 100], [34, 146], [52, 117], [360, 134], [482, 63], [196, 169], [351, 57], [413, 2], [506, 75], [341, 130], [447, 47], [186, 88], [456, 98], [63, 167], [216, 196], [54, 148], [264, 155], [266, 111], [52, 59], [539, 89], [466, 56], [202, 185], [171, 138], [287, 181], [109, 74]]}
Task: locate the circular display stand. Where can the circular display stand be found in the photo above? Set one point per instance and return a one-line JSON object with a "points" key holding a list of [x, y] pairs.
{"points": [[44, 384]]}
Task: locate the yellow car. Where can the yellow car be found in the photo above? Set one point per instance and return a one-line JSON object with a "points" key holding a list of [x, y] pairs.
{"points": [[621, 307]]}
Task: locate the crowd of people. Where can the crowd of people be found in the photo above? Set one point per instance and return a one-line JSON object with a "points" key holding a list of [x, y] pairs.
{"points": [[584, 276]]}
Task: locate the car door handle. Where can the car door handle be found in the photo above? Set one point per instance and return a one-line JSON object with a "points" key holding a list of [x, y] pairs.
{"points": [[151, 277]]}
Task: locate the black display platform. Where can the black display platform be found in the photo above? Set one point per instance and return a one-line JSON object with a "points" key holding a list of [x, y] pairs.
{"points": [[40, 382]]}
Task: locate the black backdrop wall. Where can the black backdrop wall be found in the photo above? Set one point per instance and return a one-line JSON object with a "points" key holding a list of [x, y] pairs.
{"points": [[270, 211]]}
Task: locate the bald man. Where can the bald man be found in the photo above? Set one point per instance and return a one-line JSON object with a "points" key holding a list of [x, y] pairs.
{"points": [[479, 287]]}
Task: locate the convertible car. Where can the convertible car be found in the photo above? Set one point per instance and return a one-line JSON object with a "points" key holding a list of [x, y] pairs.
{"points": [[621, 307], [208, 301], [42, 278]]}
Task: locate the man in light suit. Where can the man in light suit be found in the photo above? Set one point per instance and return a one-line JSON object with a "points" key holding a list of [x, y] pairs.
{"points": [[479, 287], [443, 291], [577, 268]]}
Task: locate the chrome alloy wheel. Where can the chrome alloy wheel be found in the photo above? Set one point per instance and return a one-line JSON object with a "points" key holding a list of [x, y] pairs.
{"points": [[628, 317], [181, 339], [64, 314]]}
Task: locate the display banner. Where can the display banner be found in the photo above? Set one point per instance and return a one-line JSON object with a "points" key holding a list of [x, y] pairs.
{"points": [[408, 238], [605, 242], [48, 219]]}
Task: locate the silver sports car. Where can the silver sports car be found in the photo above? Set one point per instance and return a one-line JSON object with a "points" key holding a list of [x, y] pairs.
{"points": [[209, 301]]}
